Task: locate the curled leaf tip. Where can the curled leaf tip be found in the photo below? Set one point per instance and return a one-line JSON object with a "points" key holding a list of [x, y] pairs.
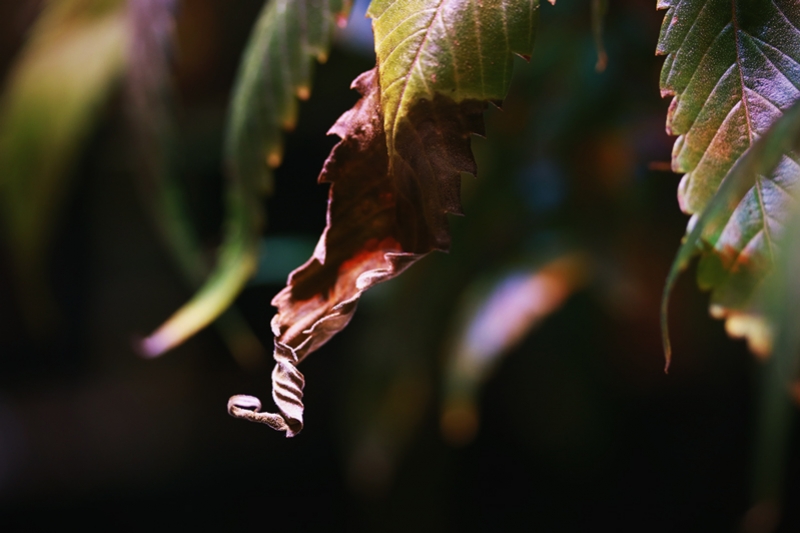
{"points": [[249, 408], [287, 393]]}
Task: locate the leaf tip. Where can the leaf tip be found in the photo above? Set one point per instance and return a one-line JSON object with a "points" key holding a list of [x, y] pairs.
{"points": [[249, 408], [153, 346]]}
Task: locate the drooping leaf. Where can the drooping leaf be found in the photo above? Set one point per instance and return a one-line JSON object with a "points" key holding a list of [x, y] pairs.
{"points": [[494, 318], [275, 71], [396, 174], [54, 91], [733, 68]]}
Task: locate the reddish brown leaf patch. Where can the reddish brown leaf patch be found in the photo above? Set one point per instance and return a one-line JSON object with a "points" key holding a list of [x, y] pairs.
{"points": [[383, 215]]}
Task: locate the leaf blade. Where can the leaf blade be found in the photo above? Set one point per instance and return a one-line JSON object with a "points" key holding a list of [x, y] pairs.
{"points": [[733, 70], [459, 48]]}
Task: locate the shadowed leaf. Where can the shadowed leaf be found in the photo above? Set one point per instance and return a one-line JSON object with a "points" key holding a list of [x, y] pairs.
{"points": [[733, 69], [74, 54], [275, 72]]}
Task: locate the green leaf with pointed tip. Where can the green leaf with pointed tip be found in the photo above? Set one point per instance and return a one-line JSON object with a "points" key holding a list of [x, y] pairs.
{"points": [[462, 49], [55, 89], [275, 72], [733, 68]]}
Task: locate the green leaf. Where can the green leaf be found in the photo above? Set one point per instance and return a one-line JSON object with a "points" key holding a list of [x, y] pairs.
{"points": [[733, 68], [54, 92], [275, 72], [765, 157], [148, 94], [462, 49]]}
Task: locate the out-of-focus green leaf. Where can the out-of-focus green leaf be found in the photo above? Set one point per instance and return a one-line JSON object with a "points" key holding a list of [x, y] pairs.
{"points": [[767, 156], [733, 70], [776, 410], [462, 50], [148, 97], [74, 54], [493, 319], [275, 72]]}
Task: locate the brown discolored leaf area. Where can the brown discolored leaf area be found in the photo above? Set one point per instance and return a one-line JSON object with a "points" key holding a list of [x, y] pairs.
{"points": [[383, 215]]}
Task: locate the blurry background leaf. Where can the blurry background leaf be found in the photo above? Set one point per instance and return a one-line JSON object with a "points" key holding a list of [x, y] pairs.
{"points": [[274, 73], [778, 377], [56, 87], [492, 318], [733, 72], [150, 108]]}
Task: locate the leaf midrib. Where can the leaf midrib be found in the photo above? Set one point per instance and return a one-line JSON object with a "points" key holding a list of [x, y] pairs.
{"points": [[414, 63], [745, 106]]}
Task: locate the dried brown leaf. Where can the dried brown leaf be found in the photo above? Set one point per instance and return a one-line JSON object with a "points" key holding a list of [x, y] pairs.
{"points": [[383, 215]]}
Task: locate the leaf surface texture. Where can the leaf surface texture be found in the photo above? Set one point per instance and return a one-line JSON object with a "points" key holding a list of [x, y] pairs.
{"points": [[734, 69]]}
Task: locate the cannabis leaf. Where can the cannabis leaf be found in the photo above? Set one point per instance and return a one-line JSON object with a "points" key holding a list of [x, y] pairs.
{"points": [[275, 72], [764, 157], [396, 173], [53, 93], [459, 48], [734, 68]]}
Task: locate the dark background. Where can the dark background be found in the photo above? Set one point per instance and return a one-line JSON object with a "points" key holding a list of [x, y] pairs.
{"points": [[581, 430]]}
